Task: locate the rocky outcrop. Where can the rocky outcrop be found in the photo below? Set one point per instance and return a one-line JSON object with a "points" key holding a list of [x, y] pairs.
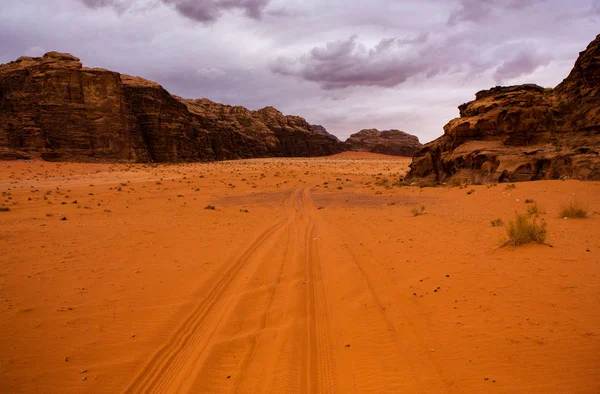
{"points": [[323, 131], [55, 108], [388, 142], [522, 133]]}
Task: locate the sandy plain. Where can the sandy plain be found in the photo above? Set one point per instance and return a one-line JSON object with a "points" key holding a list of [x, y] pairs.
{"points": [[308, 276]]}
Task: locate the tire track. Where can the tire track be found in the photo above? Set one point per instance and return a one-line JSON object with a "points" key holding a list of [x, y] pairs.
{"points": [[165, 365], [321, 371], [409, 343]]}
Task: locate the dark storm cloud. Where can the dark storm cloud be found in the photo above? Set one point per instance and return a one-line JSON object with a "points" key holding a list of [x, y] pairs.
{"points": [[478, 10], [390, 63], [341, 64], [198, 10], [210, 10]]}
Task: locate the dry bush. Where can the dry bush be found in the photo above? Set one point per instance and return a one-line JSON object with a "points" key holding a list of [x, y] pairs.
{"points": [[418, 211], [524, 229], [574, 210], [211, 207], [497, 223], [534, 209]]}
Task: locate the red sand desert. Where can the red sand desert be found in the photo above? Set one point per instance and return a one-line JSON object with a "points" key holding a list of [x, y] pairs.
{"points": [[308, 276]]}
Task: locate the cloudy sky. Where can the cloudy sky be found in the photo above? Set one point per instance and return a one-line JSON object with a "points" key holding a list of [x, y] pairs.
{"points": [[345, 64]]}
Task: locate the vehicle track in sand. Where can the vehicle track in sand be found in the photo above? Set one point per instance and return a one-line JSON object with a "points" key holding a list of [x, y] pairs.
{"points": [[295, 311], [262, 326]]}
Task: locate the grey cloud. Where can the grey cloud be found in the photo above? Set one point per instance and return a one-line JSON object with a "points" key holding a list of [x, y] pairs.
{"points": [[523, 63], [119, 5], [197, 10], [341, 64], [478, 10], [210, 10]]}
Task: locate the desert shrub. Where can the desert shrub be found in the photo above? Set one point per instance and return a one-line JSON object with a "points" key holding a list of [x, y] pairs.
{"points": [[383, 183], [510, 186], [534, 209], [497, 222], [471, 191], [529, 201], [211, 207], [416, 211], [574, 210], [524, 229], [4, 209]]}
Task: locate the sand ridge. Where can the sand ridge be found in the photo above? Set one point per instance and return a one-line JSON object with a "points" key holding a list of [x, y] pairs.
{"points": [[309, 275]]}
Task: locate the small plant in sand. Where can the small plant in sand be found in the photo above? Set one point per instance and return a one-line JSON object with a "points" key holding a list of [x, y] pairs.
{"points": [[534, 209], [497, 223], [210, 207], [510, 186], [574, 210], [382, 182], [524, 229], [4, 209], [417, 211]]}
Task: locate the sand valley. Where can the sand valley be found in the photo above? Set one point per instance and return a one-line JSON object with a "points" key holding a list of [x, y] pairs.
{"points": [[290, 275]]}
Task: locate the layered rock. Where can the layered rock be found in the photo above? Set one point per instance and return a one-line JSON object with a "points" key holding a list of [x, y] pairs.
{"points": [[388, 142], [323, 131], [522, 133], [55, 108]]}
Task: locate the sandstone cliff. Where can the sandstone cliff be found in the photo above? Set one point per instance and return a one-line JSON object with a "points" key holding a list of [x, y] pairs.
{"points": [[522, 133], [388, 142], [55, 108], [322, 130]]}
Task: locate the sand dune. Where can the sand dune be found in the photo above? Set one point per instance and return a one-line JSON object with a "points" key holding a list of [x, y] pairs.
{"points": [[308, 276]]}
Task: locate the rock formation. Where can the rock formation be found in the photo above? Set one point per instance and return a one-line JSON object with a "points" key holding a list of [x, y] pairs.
{"points": [[388, 142], [322, 130], [55, 108], [522, 133]]}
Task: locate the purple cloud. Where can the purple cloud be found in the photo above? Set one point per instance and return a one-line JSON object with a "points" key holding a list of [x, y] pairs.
{"points": [[201, 11], [522, 63], [478, 10], [341, 64]]}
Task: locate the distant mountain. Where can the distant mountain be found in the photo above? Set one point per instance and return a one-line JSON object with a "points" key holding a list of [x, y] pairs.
{"points": [[389, 142]]}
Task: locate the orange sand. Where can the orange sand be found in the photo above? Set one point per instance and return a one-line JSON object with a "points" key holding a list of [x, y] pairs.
{"points": [[327, 284]]}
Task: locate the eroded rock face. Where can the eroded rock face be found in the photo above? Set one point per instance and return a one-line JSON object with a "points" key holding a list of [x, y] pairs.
{"points": [[322, 130], [388, 142], [55, 108], [522, 133]]}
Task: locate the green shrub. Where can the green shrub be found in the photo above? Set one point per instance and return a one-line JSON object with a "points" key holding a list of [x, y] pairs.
{"points": [[534, 209], [574, 210], [524, 229]]}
